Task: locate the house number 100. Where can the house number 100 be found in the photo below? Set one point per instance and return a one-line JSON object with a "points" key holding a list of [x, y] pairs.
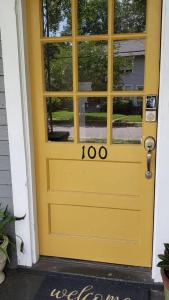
{"points": [[91, 152]]}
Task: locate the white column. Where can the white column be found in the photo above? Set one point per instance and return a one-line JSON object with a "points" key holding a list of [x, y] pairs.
{"points": [[161, 216], [21, 155]]}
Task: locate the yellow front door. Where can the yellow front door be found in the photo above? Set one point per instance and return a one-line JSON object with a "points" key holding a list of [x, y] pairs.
{"points": [[94, 72]]}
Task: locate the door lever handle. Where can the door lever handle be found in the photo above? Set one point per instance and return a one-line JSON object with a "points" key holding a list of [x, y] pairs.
{"points": [[149, 146], [148, 172]]}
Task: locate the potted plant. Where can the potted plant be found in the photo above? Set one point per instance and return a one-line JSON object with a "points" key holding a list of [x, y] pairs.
{"points": [[164, 265], [5, 219]]}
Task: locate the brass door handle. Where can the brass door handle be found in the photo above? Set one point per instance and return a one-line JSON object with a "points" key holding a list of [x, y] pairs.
{"points": [[149, 145]]}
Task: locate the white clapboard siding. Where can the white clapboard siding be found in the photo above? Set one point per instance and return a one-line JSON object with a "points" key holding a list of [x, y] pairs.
{"points": [[5, 178]]}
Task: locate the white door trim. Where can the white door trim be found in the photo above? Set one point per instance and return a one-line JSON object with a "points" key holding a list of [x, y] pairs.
{"points": [[21, 141], [19, 127], [161, 215]]}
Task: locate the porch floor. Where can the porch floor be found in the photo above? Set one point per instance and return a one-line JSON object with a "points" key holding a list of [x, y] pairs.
{"points": [[23, 283]]}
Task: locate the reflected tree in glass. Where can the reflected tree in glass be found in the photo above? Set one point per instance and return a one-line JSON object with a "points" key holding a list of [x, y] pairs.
{"points": [[58, 66], [130, 16], [56, 17], [92, 17], [92, 66]]}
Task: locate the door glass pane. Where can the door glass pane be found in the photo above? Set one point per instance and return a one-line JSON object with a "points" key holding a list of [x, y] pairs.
{"points": [[92, 17], [93, 120], [56, 18], [128, 65], [60, 119], [130, 16], [127, 120], [58, 66], [92, 66]]}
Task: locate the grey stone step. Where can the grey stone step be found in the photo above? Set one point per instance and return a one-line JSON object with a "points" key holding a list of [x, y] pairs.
{"points": [[156, 295]]}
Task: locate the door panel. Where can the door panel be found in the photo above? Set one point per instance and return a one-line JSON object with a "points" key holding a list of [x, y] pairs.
{"points": [[76, 215], [95, 178], [91, 70]]}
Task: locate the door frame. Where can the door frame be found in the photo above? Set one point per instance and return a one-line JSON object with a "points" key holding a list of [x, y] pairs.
{"points": [[16, 80]]}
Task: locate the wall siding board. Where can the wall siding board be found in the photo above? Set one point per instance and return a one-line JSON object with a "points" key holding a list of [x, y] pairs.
{"points": [[3, 133], [6, 201], [3, 119], [5, 191], [4, 148], [5, 170], [2, 100], [5, 177], [2, 89], [4, 164], [1, 67], [5, 174]]}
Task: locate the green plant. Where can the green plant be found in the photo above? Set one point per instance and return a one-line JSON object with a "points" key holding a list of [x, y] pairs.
{"points": [[5, 219], [164, 263]]}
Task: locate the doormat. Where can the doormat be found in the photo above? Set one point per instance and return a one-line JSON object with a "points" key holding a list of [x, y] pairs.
{"points": [[75, 287]]}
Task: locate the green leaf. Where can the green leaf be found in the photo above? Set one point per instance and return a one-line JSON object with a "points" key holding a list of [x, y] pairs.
{"points": [[163, 256], [5, 253], [5, 219], [5, 211], [166, 248], [163, 264], [20, 218], [22, 247], [22, 244]]}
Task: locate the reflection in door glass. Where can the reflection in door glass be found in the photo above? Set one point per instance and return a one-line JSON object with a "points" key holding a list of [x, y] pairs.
{"points": [[56, 18], [92, 66], [127, 120], [128, 65], [92, 17], [60, 119], [93, 120], [130, 16], [58, 66]]}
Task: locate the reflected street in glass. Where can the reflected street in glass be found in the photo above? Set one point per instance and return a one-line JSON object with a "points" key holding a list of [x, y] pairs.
{"points": [[127, 120], [60, 119], [93, 120], [128, 65]]}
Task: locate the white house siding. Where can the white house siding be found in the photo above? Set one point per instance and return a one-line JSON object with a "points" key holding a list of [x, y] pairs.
{"points": [[5, 174]]}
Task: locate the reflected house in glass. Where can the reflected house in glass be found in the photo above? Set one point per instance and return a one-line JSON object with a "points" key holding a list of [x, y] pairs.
{"points": [[129, 58]]}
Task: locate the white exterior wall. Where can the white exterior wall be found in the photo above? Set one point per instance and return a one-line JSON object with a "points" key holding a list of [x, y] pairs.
{"points": [[161, 215], [20, 137]]}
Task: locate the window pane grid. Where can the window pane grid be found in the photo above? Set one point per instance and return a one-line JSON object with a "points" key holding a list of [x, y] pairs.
{"points": [[75, 68], [110, 68], [121, 36], [75, 38]]}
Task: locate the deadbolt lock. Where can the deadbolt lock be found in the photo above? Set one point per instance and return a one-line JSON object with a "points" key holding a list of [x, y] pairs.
{"points": [[149, 143]]}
